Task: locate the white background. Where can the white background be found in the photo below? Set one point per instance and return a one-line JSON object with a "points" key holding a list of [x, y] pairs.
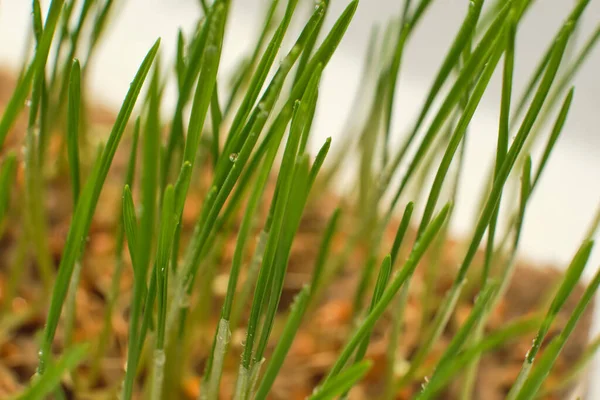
{"points": [[569, 192]]}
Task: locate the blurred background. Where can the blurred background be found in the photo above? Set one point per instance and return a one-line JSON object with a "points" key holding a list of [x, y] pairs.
{"points": [[569, 193]]}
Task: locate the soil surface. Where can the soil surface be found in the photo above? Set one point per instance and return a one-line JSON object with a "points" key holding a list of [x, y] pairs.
{"points": [[325, 328]]}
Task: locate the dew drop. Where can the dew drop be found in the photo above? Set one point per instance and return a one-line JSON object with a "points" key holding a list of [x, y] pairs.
{"points": [[28, 103], [233, 157]]}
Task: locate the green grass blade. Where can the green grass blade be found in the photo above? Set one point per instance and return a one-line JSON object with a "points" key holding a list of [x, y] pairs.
{"points": [[192, 69], [407, 26], [216, 120], [573, 18], [130, 226], [8, 174], [310, 44], [294, 209], [476, 62], [62, 36], [116, 278], [99, 28], [398, 306], [463, 36], [74, 37], [84, 211], [324, 250], [575, 372], [73, 128], [211, 376], [568, 284], [255, 125], [165, 240], [244, 75], [284, 341], [402, 228], [149, 179], [43, 385], [382, 281], [165, 243], [503, 134], [261, 73], [459, 133], [180, 60], [283, 190], [547, 360], [204, 91], [556, 131], [17, 100], [399, 279], [494, 340], [449, 302], [460, 338]]}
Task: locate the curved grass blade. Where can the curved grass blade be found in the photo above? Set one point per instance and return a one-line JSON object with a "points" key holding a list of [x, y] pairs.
{"points": [[84, 211]]}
